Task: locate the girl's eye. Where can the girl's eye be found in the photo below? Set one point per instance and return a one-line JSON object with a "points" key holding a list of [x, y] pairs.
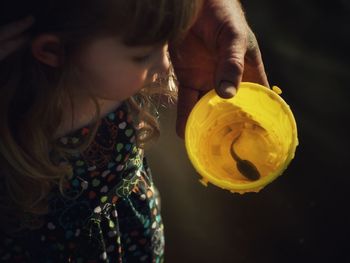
{"points": [[142, 59]]}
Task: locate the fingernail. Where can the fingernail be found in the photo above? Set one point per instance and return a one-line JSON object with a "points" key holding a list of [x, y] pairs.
{"points": [[228, 88]]}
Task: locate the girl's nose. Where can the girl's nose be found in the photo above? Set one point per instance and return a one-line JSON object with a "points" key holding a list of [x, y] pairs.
{"points": [[162, 65]]}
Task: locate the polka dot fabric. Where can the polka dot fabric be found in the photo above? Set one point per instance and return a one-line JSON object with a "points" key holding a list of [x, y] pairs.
{"points": [[116, 217]]}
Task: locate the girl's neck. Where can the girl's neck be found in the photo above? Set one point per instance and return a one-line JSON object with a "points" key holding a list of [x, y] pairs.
{"points": [[84, 112]]}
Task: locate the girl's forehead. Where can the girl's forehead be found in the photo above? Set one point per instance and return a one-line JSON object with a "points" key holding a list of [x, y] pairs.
{"points": [[116, 42]]}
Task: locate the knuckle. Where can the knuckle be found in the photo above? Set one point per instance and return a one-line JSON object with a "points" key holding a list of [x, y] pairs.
{"points": [[236, 64]]}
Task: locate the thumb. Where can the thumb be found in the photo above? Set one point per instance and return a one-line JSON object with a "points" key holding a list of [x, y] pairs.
{"points": [[230, 67]]}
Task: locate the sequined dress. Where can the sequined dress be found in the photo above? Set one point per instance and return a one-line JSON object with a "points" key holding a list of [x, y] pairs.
{"points": [[116, 217]]}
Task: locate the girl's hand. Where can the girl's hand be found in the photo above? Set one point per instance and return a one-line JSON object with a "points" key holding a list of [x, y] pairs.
{"points": [[218, 52], [10, 38]]}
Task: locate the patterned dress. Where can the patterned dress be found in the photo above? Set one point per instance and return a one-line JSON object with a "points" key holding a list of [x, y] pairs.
{"points": [[116, 217]]}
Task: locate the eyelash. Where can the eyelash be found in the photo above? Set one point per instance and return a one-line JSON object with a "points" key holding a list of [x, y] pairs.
{"points": [[143, 59]]}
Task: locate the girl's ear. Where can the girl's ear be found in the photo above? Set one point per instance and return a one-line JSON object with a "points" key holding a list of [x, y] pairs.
{"points": [[47, 49]]}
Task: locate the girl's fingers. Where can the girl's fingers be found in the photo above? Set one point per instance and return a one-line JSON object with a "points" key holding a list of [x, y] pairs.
{"points": [[8, 46], [15, 28]]}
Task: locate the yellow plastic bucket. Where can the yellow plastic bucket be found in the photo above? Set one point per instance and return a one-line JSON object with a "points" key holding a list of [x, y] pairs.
{"points": [[256, 126]]}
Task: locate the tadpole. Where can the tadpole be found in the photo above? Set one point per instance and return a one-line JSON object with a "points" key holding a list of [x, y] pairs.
{"points": [[245, 167]]}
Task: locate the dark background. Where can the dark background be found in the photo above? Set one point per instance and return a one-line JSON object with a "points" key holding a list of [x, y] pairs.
{"points": [[303, 215]]}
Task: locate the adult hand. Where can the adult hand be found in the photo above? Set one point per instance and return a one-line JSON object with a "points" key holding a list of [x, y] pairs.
{"points": [[218, 52], [10, 36]]}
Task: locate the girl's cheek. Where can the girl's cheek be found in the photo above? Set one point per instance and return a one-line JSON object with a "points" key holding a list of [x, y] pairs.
{"points": [[132, 86], [133, 79], [127, 82]]}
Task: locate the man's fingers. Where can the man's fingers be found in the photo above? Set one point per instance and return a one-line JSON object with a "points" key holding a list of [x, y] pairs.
{"points": [[256, 74], [187, 98], [254, 70], [15, 28]]}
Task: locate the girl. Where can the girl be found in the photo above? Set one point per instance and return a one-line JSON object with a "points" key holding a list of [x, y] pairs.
{"points": [[77, 109]]}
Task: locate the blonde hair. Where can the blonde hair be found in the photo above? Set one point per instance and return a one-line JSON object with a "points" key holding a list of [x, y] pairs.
{"points": [[31, 93]]}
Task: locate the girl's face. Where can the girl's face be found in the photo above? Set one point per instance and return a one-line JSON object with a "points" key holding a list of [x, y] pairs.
{"points": [[113, 71]]}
